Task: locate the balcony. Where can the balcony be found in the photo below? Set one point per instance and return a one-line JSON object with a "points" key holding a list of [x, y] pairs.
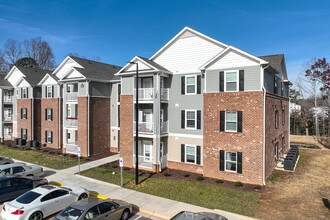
{"points": [[164, 94], [8, 99], [7, 119], [144, 162], [71, 122], [144, 127], [164, 127], [72, 96], [145, 94]]}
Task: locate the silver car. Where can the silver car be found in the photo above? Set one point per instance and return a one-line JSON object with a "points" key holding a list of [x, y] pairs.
{"points": [[96, 209], [184, 215], [5, 160]]}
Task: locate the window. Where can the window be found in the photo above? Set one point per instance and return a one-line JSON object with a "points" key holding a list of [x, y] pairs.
{"points": [[283, 117], [5, 172], [276, 119], [231, 161], [190, 154], [69, 113], [283, 144], [28, 197], [231, 121], [92, 213], [68, 135], [18, 169], [106, 207], [49, 114], [49, 136], [24, 133], [190, 85], [190, 119], [24, 93], [276, 151], [59, 193], [49, 92], [275, 85], [24, 113], [17, 92], [46, 197], [231, 84]]}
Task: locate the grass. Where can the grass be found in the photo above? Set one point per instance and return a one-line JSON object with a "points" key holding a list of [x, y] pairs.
{"points": [[209, 196], [51, 161]]}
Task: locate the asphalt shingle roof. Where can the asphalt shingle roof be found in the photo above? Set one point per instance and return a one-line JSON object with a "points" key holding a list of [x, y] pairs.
{"points": [[274, 60], [95, 70], [33, 75], [3, 81]]}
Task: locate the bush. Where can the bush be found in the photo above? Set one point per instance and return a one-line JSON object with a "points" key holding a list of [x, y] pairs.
{"points": [[2, 143], [150, 172], [219, 181], [115, 166], [27, 148], [257, 187], [9, 144], [105, 165], [238, 184], [52, 152], [127, 168], [87, 159], [58, 153], [73, 155], [166, 174], [15, 147], [44, 150], [65, 154], [185, 175], [199, 178]]}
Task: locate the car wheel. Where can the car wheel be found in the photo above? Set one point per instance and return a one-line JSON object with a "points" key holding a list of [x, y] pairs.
{"points": [[125, 215], [36, 216], [83, 196]]}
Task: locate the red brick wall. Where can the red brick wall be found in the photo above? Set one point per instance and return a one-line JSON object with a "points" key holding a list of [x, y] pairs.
{"points": [[82, 125], [50, 103], [185, 167], [274, 135], [37, 119], [249, 142], [126, 129], [99, 125], [24, 123]]}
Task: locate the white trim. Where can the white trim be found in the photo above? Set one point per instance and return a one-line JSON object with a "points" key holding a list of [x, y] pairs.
{"points": [[43, 80], [230, 161], [225, 80], [185, 135], [72, 69], [180, 33], [11, 72], [190, 110], [185, 153], [51, 91], [230, 121], [63, 62], [186, 85]]}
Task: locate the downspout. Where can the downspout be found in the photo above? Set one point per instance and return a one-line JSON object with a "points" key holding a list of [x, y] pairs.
{"points": [[264, 130], [59, 115], [88, 101], [32, 116], [158, 124], [1, 117]]}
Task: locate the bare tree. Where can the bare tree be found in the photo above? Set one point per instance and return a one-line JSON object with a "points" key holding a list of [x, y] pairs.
{"points": [[3, 64], [13, 50], [40, 51]]}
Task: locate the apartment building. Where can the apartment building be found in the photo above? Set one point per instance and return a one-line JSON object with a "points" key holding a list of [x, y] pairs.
{"points": [[205, 107]]}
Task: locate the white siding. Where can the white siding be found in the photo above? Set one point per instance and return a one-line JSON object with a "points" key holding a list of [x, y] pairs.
{"points": [[49, 81], [15, 76], [73, 75], [65, 68], [188, 53], [142, 66], [24, 83], [232, 59]]}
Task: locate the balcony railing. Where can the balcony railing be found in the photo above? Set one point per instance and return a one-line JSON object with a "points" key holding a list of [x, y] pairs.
{"points": [[71, 122], [164, 127], [164, 94], [72, 96], [7, 119], [144, 127], [145, 94], [143, 161], [8, 99]]}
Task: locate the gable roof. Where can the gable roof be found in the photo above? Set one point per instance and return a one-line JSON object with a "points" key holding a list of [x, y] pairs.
{"points": [[3, 81], [154, 64], [274, 60], [33, 75], [186, 29], [46, 76]]}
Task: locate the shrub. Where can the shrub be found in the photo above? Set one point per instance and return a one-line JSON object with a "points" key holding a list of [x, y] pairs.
{"points": [[219, 181], [2, 143], [238, 184], [27, 148], [166, 174], [185, 175], [199, 178], [257, 187], [9, 144], [105, 165], [127, 168], [15, 147], [44, 150], [150, 172], [115, 166], [65, 154], [73, 155], [87, 159], [52, 152], [58, 153]]}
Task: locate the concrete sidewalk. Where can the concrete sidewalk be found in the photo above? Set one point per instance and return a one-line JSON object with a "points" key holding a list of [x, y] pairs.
{"points": [[157, 207]]}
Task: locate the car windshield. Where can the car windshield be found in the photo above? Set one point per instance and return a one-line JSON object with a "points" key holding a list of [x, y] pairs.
{"points": [[5, 172], [69, 214], [28, 197]]}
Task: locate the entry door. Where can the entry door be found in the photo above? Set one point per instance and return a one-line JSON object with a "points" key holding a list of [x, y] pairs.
{"points": [[147, 150], [147, 118], [161, 150], [7, 113]]}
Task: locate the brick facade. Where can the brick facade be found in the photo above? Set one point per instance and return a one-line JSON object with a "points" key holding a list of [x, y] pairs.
{"points": [[185, 167], [53, 125], [37, 119], [83, 125], [249, 142], [126, 129], [273, 135], [99, 125]]}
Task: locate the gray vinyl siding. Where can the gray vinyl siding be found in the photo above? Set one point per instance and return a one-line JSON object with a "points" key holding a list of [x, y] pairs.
{"points": [[37, 92], [191, 102], [269, 82], [82, 89], [251, 78], [29, 92], [114, 105], [127, 85], [55, 86], [99, 89], [286, 90]]}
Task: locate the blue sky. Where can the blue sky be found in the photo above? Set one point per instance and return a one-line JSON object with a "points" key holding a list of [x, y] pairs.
{"points": [[118, 30]]}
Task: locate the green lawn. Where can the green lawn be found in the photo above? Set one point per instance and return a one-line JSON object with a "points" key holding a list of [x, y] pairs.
{"points": [[212, 197], [43, 159]]}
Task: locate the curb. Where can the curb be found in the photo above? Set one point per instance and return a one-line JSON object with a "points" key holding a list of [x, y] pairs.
{"points": [[151, 213]]}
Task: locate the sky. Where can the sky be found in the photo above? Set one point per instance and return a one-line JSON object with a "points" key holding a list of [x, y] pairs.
{"points": [[116, 31]]}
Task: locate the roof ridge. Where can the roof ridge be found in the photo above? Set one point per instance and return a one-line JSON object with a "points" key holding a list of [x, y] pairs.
{"points": [[93, 61]]}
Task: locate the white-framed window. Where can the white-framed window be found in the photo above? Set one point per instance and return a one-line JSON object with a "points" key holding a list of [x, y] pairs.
{"points": [[24, 93], [230, 161], [49, 137], [69, 88], [49, 92], [191, 85], [49, 114], [17, 92], [24, 133], [24, 113], [69, 113], [191, 119], [231, 81], [231, 121], [191, 154], [68, 136]]}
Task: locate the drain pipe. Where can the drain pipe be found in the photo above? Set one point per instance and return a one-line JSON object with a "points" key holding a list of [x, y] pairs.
{"points": [[59, 115], [88, 98], [32, 115], [264, 129]]}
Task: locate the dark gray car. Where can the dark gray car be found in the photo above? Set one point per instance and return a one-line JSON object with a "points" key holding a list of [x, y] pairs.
{"points": [[96, 209], [184, 215], [5, 160]]}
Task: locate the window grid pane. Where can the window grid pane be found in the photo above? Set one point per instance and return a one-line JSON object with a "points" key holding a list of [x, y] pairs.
{"points": [[190, 115], [231, 161], [190, 154], [231, 77], [231, 86], [191, 80]]}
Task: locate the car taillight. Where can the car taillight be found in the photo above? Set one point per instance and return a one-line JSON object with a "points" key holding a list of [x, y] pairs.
{"points": [[42, 169], [18, 212], [4, 208]]}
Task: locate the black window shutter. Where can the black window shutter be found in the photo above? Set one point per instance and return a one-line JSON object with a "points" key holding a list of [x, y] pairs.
{"points": [[275, 87], [199, 119], [27, 92], [222, 81], [21, 92], [241, 80], [52, 91], [21, 132], [198, 155], [46, 137], [183, 122], [182, 153], [222, 160], [239, 121], [222, 120], [183, 85], [46, 112], [199, 84], [51, 135], [46, 92], [51, 112], [21, 113], [239, 162], [26, 110]]}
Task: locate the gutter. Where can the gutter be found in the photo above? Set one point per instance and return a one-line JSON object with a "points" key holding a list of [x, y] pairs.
{"points": [[264, 131]]}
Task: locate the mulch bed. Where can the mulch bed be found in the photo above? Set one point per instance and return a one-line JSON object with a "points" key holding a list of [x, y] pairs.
{"points": [[58, 152], [179, 175]]}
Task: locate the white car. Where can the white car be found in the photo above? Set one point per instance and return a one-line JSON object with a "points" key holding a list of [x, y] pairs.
{"points": [[21, 169], [42, 202]]}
